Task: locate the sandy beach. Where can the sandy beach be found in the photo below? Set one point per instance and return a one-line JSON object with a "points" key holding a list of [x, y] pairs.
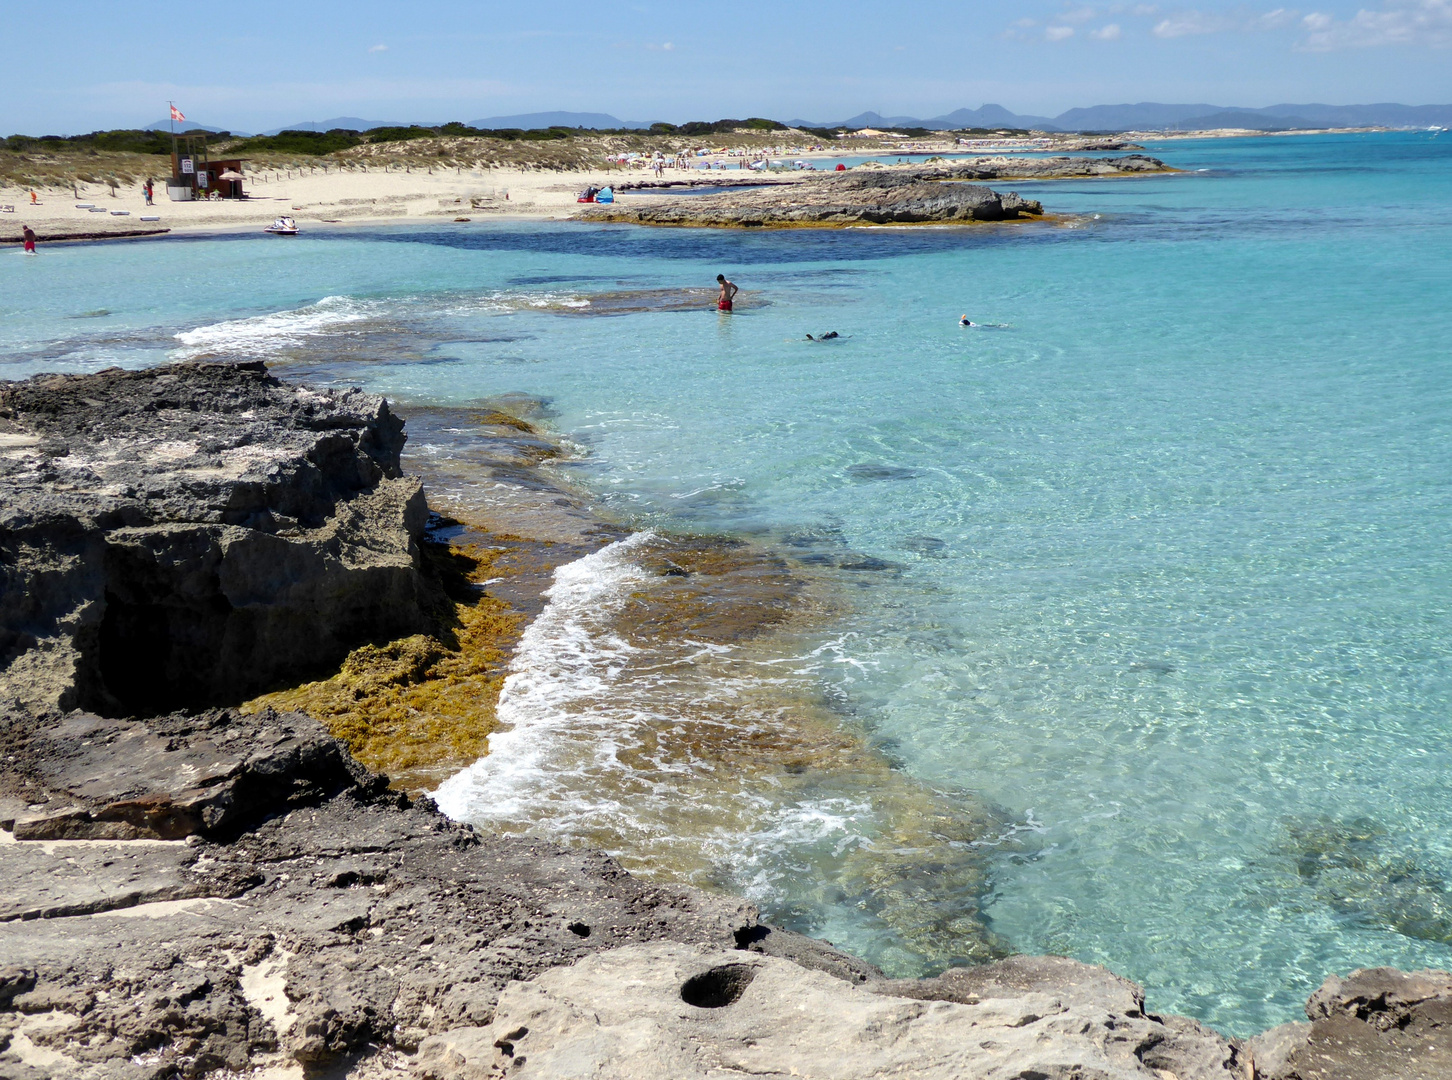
{"points": [[311, 198]]}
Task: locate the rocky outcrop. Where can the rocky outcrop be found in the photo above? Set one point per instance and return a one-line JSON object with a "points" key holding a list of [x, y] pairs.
{"points": [[302, 911], [855, 198], [885, 195], [689, 1012], [1372, 1025], [196, 533], [1048, 168]]}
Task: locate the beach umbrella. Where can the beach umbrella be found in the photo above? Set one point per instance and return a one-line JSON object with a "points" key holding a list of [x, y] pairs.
{"points": [[230, 174]]}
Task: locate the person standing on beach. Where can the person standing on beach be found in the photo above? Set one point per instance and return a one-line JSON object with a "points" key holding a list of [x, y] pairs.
{"points": [[146, 190], [29, 235], [728, 293]]}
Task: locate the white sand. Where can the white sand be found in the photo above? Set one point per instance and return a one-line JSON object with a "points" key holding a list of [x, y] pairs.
{"points": [[316, 197]]}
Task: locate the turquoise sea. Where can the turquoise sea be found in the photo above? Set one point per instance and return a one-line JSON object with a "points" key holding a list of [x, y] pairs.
{"points": [[1155, 566]]}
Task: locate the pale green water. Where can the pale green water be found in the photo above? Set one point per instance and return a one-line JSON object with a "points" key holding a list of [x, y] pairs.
{"points": [[1170, 576]]}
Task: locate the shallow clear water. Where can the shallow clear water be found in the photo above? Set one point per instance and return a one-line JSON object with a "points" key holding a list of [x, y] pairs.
{"points": [[1171, 577]]}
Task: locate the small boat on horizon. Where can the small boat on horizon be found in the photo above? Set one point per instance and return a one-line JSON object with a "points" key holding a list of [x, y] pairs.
{"points": [[283, 226]]}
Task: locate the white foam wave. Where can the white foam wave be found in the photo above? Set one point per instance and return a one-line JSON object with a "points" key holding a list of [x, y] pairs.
{"points": [[566, 658], [265, 334], [608, 743]]}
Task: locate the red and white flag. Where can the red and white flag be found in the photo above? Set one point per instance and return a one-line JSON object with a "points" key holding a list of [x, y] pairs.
{"points": [[176, 114]]}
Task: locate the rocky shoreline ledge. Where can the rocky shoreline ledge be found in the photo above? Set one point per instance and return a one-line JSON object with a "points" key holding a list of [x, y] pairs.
{"points": [[930, 193], [192, 890]]}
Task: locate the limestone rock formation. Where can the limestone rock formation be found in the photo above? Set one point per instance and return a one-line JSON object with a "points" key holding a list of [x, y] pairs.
{"points": [[690, 1012], [192, 534], [874, 196], [309, 912], [1375, 1024], [1048, 168], [856, 198]]}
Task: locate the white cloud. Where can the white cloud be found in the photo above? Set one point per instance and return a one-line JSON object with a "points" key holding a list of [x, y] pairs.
{"points": [[379, 48], [1075, 16], [1187, 23], [1058, 33], [1399, 22], [1106, 33], [1025, 23], [1278, 19]]}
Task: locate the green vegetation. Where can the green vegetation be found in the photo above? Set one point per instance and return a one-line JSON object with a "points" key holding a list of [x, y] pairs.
{"points": [[116, 142], [703, 127], [315, 143]]}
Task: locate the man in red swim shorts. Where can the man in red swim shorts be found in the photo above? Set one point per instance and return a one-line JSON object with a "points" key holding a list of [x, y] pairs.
{"points": [[728, 293], [29, 235]]}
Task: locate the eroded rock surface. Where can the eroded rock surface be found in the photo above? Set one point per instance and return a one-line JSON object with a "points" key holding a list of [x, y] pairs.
{"points": [[193, 534], [342, 916], [689, 1012], [855, 198], [1375, 1024], [874, 196], [1048, 168]]}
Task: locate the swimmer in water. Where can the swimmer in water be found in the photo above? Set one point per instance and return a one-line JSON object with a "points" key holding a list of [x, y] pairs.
{"points": [[965, 321], [728, 293]]}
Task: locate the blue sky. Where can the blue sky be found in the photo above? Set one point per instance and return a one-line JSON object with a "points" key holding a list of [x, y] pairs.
{"points": [[267, 63]]}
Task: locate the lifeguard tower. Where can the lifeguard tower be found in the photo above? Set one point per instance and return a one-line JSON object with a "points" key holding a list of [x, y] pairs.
{"points": [[194, 175]]}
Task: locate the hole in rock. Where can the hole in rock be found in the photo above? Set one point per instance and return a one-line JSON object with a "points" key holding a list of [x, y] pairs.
{"points": [[579, 929], [719, 987]]}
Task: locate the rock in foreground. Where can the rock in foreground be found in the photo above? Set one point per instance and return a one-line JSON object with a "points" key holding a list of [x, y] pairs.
{"points": [[693, 1013], [196, 533], [303, 914]]}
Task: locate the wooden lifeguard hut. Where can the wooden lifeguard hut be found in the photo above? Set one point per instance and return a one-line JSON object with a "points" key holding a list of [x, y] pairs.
{"points": [[194, 175]]}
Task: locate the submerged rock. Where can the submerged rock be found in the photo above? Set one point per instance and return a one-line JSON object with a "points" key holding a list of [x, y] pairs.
{"points": [[195, 533]]}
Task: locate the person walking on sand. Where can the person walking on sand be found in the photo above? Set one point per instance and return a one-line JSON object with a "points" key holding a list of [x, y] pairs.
{"points": [[146, 190], [728, 293], [29, 235]]}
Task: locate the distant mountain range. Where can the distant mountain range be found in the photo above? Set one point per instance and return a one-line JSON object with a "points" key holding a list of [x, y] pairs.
{"points": [[1144, 116], [1152, 116], [524, 121], [187, 125]]}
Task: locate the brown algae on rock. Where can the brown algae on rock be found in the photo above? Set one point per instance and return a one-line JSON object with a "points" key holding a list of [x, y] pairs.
{"points": [[422, 706]]}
